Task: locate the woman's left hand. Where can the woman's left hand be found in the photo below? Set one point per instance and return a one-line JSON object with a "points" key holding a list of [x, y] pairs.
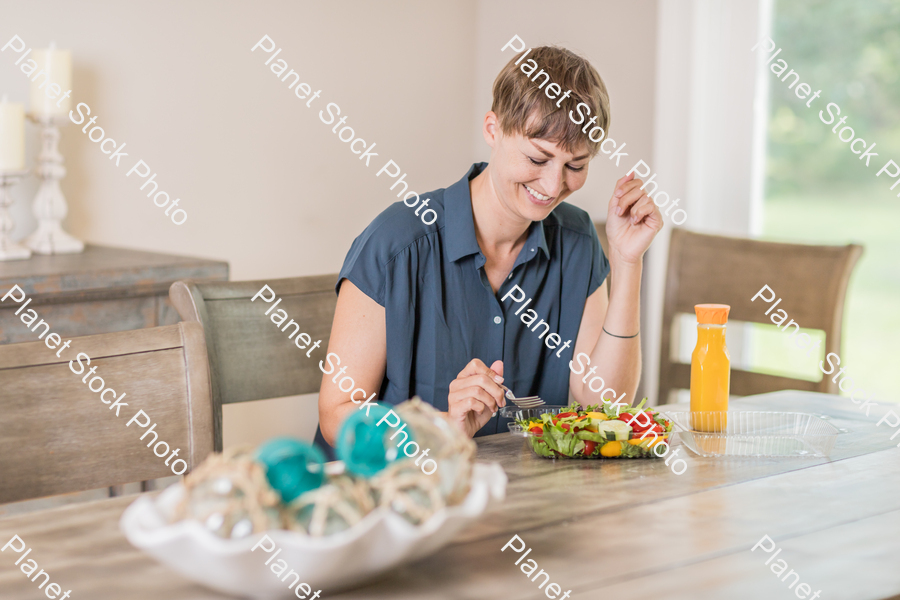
{"points": [[632, 220]]}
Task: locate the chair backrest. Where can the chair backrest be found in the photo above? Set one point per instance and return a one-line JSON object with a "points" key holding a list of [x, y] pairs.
{"points": [[250, 358], [600, 226], [57, 436], [812, 280]]}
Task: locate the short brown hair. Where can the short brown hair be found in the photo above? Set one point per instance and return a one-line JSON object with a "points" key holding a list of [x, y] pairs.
{"points": [[523, 107]]}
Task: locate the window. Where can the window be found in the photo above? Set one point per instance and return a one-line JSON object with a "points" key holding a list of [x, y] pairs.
{"points": [[818, 191]]}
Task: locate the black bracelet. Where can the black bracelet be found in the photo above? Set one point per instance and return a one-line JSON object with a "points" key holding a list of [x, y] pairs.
{"points": [[623, 337]]}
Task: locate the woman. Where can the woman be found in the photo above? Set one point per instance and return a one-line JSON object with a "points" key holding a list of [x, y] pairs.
{"points": [[437, 310]]}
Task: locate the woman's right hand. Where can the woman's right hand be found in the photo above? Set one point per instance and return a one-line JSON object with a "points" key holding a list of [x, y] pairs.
{"points": [[475, 395]]}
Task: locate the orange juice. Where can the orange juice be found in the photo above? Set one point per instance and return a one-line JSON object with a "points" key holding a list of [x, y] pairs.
{"points": [[710, 366]]}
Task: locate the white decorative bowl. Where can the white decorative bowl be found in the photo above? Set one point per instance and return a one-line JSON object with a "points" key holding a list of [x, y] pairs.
{"points": [[381, 541]]}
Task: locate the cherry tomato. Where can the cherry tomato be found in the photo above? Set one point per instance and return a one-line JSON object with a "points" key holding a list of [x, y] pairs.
{"points": [[536, 430], [565, 426], [589, 447], [639, 423], [649, 431]]}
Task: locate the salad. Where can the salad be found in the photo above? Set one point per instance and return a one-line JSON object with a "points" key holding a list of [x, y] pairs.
{"points": [[597, 432]]}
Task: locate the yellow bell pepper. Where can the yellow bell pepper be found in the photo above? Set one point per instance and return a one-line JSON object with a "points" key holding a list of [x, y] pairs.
{"points": [[598, 416], [647, 442], [611, 449]]}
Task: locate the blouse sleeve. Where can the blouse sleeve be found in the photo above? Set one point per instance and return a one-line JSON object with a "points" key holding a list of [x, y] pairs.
{"points": [[370, 256], [364, 265]]}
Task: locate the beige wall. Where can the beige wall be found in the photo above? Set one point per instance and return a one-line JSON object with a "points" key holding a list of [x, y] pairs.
{"points": [[619, 38], [267, 186]]}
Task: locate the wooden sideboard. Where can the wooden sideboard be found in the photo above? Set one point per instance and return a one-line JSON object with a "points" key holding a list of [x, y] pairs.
{"points": [[100, 290]]}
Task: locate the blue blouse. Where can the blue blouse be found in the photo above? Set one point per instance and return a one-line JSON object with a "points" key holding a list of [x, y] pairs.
{"points": [[441, 312]]}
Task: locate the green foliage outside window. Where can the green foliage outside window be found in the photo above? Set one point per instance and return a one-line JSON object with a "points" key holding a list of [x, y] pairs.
{"points": [[817, 191]]}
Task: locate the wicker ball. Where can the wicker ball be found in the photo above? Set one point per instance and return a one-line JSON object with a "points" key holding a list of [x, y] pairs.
{"points": [[450, 448], [229, 494], [403, 488], [334, 507]]}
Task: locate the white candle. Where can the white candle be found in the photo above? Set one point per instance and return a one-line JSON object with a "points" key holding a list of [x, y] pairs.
{"points": [[12, 136], [48, 88]]}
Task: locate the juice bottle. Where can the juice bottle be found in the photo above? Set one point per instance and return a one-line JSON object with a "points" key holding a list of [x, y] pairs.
{"points": [[710, 367]]}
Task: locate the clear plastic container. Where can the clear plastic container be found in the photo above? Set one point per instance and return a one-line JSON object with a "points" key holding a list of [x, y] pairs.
{"points": [[754, 433], [511, 411], [636, 446]]}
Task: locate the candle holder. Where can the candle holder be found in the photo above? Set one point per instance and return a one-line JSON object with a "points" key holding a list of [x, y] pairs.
{"points": [[9, 250], [50, 206]]}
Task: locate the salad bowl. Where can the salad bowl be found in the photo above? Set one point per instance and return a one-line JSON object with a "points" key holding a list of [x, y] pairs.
{"points": [[600, 431]]}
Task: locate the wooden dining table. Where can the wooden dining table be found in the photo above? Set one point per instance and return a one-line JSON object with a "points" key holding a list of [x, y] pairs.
{"points": [[622, 529]]}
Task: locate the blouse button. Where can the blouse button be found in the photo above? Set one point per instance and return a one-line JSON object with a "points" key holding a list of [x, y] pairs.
{"points": [[498, 320]]}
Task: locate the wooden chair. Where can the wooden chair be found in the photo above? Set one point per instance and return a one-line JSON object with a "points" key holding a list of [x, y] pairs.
{"points": [[812, 280], [250, 358], [56, 436], [600, 226]]}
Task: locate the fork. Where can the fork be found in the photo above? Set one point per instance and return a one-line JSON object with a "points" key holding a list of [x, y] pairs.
{"points": [[525, 402]]}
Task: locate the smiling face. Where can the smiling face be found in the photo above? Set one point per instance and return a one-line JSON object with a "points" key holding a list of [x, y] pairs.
{"points": [[532, 176]]}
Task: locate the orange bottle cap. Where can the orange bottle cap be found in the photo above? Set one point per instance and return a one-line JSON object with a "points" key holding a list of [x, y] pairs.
{"points": [[712, 314]]}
